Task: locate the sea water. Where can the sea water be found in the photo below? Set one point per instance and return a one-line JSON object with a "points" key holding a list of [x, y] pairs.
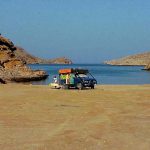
{"points": [[105, 74]]}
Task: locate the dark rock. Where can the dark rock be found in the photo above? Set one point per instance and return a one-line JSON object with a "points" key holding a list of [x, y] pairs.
{"points": [[2, 81], [7, 43], [147, 67]]}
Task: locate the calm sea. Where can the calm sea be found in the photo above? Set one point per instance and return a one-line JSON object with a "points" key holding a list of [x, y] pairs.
{"points": [[105, 74]]}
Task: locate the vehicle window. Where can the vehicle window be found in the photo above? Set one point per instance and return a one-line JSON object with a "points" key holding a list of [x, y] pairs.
{"points": [[83, 75]]}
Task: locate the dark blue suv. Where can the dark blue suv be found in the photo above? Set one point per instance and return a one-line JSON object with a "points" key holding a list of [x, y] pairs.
{"points": [[76, 78]]}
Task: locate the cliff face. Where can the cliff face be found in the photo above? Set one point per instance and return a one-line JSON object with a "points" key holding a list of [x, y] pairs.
{"points": [[13, 68], [139, 59], [20, 53]]}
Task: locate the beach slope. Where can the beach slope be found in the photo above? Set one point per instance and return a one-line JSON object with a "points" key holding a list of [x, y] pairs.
{"points": [[109, 117]]}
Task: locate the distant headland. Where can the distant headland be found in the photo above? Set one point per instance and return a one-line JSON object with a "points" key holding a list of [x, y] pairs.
{"points": [[22, 54], [142, 59]]}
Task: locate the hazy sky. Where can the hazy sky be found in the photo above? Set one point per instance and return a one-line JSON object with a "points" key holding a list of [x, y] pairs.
{"points": [[83, 30]]}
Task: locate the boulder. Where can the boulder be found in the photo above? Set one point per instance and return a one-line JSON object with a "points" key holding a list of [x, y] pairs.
{"points": [[147, 67]]}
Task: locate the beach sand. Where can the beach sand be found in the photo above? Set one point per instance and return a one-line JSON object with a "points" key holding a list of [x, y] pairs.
{"points": [[108, 118]]}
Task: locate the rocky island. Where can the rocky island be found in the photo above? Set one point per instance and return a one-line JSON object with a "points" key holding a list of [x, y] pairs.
{"points": [[142, 59]]}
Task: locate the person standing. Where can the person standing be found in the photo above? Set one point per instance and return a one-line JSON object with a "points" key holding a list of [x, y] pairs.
{"points": [[71, 79], [55, 79], [67, 78]]}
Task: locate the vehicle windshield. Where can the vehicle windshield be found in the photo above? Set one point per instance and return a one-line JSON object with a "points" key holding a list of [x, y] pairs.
{"points": [[83, 75]]}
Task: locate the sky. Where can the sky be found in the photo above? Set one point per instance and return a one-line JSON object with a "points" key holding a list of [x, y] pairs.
{"points": [[86, 31]]}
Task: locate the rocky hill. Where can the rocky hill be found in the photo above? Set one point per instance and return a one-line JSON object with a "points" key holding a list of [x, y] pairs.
{"points": [[13, 68], [138, 59], [20, 53]]}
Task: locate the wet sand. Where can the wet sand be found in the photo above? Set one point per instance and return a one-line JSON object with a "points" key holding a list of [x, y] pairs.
{"points": [[108, 118]]}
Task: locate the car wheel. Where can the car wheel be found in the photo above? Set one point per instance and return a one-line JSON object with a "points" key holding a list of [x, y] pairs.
{"points": [[92, 86], [65, 86], [80, 86]]}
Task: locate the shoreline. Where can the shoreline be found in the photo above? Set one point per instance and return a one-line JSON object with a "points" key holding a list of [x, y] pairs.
{"points": [[47, 85]]}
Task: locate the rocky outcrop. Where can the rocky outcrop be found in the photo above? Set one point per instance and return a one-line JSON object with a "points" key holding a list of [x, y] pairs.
{"points": [[2, 81], [147, 67], [13, 68], [139, 59], [20, 53], [6, 43]]}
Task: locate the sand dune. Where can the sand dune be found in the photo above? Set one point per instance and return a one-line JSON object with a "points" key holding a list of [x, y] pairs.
{"points": [[109, 117]]}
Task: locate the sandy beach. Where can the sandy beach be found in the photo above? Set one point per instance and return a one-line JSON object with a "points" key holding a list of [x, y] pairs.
{"points": [[109, 118]]}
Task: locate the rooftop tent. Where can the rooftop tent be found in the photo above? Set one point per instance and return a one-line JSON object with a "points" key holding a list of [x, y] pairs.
{"points": [[71, 70], [64, 71]]}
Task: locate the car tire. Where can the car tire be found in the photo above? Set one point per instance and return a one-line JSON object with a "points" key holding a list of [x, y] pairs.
{"points": [[65, 86], [92, 86], [80, 86]]}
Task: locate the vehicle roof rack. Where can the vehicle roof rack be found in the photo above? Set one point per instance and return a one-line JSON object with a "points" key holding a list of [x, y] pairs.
{"points": [[81, 71], [71, 70]]}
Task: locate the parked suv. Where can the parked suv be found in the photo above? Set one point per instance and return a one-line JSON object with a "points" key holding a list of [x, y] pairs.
{"points": [[76, 78]]}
